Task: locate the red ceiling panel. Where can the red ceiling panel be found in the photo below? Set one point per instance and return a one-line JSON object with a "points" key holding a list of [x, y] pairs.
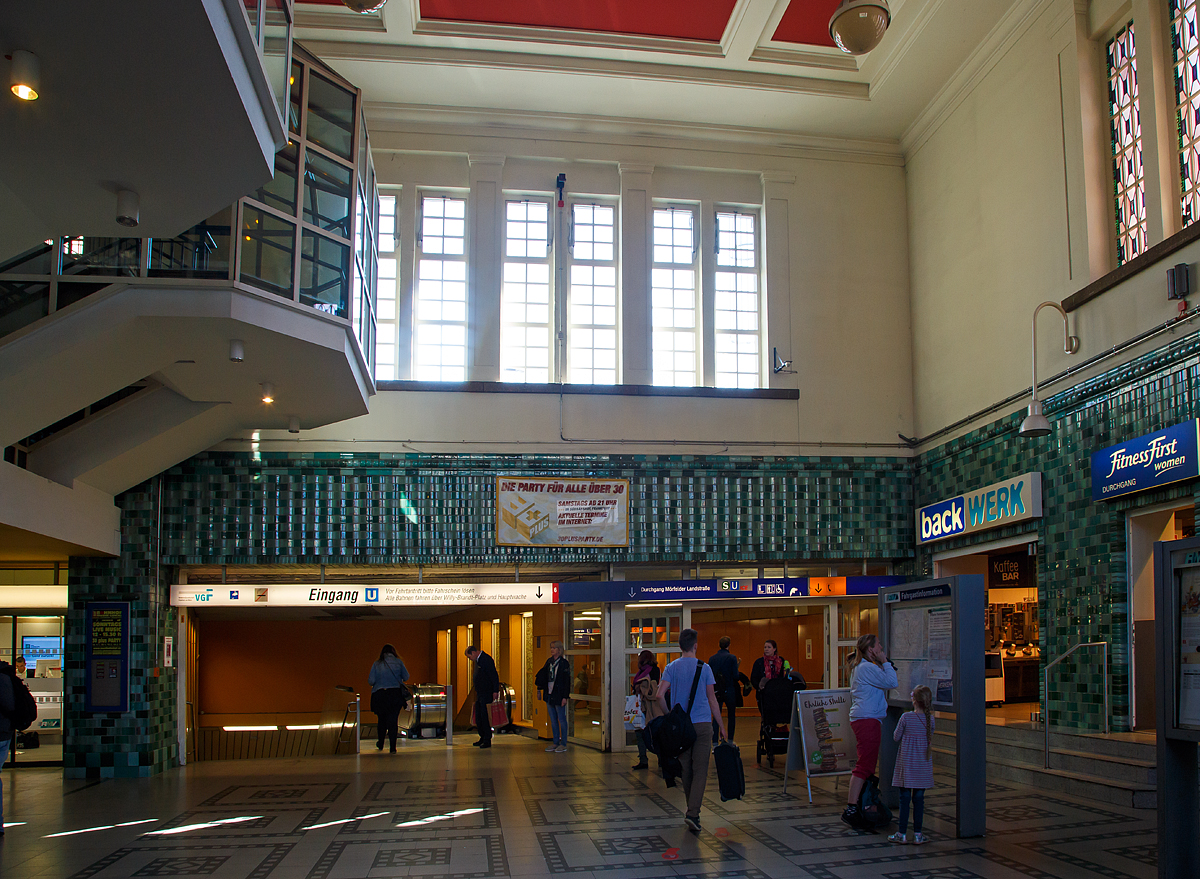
{"points": [[807, 22], [684, 19]]}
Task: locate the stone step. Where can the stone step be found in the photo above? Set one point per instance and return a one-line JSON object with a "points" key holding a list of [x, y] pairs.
{"points": [[1066, 740], [1083, 786], [1116, 768]]}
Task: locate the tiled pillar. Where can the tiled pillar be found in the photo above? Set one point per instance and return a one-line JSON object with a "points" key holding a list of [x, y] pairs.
{"points": [[141, 741]]}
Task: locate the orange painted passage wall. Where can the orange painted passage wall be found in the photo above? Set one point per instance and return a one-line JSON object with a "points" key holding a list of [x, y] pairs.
{"points": [[749, 628], [288, 667]]}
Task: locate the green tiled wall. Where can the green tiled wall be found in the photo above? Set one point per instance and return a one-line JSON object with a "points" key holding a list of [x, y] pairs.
{"points": [[1082, 579], [142, 741], [378, 508]]}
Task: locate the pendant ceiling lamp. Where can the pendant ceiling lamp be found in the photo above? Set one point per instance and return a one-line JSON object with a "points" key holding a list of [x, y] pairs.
{"points": [[857, 26], [364, 5]]}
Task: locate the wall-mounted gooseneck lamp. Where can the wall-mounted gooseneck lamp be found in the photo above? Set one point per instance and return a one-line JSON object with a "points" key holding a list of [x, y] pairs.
{"points": [[1035, 423]]}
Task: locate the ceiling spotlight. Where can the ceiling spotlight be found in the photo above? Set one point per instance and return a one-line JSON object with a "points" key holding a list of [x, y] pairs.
{"points": [[364, 5], [857, 26], [237, 351], [24, 79], [128, 207], [293, 424], [268, 392]]}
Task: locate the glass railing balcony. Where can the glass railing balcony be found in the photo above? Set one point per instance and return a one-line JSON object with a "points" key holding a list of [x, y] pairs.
{"points": [[307, 235]]}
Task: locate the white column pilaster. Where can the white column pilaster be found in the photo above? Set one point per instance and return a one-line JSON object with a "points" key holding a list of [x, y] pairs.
{"points": [[636, 317], [776, 316], [485, 215]]}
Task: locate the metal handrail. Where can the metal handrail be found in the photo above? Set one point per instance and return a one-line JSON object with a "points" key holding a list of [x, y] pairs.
{"points": [[1046, 690], [356, 735]]}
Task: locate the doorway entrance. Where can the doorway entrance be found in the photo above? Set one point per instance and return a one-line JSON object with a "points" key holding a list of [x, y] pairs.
{"points": [[1144, 528], [584, 628], [34, 646]]}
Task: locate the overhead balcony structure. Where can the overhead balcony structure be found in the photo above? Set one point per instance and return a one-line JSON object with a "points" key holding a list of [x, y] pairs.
{"points": [[120, 357], [182, 103]]}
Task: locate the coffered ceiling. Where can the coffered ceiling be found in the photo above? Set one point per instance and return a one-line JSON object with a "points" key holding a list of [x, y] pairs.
{"points": [[730, 66]]}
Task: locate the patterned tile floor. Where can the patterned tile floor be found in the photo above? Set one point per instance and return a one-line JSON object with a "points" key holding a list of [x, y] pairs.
{"points": [[516, 811]]}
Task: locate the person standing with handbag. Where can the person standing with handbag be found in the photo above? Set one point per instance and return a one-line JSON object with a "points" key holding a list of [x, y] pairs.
{"points": [[387, 678], [554, 680], [487, 691], [703, 710], [645, 686]]}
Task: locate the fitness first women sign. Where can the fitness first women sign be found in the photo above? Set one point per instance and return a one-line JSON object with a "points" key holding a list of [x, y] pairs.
{"points": [[1147, 462], [993, 506], [561, 512]]}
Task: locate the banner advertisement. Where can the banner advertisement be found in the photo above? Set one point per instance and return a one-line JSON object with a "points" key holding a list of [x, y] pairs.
{"points": [[829, 746], [534, 511], [372, 595]]}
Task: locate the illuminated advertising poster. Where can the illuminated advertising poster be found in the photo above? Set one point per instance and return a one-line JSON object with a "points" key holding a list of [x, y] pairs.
{"points": [[1189, 648], [828, 740], [533, 511]]}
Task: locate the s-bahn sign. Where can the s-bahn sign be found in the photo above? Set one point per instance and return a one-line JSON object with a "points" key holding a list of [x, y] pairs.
{"points": [[1149, 461], [993, 506]]}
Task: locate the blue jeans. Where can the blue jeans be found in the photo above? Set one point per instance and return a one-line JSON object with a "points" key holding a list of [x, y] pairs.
{"points": [[917, 795], [558, 723], [3, 759]]}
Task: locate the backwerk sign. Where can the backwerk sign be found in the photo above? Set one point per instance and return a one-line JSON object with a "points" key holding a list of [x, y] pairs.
{"points": [[1149, 461], [993, 506]]}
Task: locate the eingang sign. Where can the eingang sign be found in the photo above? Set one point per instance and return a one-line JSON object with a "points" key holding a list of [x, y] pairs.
{"points": [[993, 506], [370, 594], [1160, 458]]}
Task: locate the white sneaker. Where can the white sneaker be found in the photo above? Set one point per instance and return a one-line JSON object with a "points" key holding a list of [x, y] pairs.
{"points": [[561, 749], [552, 749]]}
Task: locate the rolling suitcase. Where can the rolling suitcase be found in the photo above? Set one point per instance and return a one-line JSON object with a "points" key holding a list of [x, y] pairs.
{"points": [[731, 778]]}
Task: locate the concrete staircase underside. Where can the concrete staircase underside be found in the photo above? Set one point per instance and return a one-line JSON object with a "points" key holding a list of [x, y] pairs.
{"points": [[1118, 770], [173, 340]]}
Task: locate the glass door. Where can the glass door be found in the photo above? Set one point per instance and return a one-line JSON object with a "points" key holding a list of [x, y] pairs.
{"points": [[584, 628], [34, 646], [856, 617], [649, 628]]}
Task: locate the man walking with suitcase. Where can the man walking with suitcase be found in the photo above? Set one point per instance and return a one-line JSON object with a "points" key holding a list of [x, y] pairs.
{"points": [[677, 678]]}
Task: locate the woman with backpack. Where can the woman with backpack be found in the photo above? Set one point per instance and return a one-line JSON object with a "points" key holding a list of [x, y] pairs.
{"points": [[388, 693], [871, 676], [645, 685]]}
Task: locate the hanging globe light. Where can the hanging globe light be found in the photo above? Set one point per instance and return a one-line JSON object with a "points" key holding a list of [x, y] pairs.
{"points": [[857, 26]]}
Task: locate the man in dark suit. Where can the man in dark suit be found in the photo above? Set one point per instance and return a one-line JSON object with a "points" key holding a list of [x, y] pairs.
{"points": [[725, 668], [487, 690]]}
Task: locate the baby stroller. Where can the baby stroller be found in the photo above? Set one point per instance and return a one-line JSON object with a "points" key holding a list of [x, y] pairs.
{"points": [[775, 706]]}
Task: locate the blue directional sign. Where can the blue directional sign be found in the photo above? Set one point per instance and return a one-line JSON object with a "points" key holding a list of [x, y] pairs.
{"points": [[1160, 458]]}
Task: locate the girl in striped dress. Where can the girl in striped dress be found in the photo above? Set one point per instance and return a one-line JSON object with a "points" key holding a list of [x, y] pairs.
{"points": [[914, 763]]}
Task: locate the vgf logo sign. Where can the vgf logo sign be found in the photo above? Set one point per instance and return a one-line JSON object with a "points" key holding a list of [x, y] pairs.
{"points": [[943, 519]]}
